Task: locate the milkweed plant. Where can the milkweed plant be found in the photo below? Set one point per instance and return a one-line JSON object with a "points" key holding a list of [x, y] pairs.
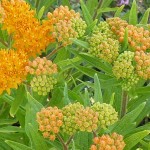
{"points": [[74, 75]]}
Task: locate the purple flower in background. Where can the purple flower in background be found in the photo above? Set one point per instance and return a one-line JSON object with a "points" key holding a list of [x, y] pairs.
{"points": [[123, 2]]}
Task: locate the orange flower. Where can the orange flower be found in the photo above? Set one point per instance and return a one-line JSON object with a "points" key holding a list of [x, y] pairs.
{"points": [[12, 69], [111, 142], [28, 34]]}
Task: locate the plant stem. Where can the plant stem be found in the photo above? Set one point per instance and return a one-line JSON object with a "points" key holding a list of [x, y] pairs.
{"points": [[124, 103], [4, 43], [94, 133], [99, 5], [37, 4], [68, 142], [65, 147], [54, 51]]}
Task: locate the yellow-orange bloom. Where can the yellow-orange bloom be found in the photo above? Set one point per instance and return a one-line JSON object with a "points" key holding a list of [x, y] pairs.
{"points": [[12, 69], [29, 34], [108, 142]]}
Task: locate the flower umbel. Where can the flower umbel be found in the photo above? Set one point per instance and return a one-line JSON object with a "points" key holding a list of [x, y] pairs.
{"points": [[50, 120], [12, 69], [108, 142]]}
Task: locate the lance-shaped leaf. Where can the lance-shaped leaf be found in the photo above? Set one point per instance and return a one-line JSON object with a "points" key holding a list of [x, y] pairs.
{"points": [[97, 90], [127, 120], [134, 139], [119, 10], [86, 14], [20, 95], [145, 17], [133, 14], [17, 146]]}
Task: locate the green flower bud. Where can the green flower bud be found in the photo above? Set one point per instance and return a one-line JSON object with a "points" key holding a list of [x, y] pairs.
{"points": [[43, 84], [103, 47], [106, 114], [123, 67], [69, 124]]}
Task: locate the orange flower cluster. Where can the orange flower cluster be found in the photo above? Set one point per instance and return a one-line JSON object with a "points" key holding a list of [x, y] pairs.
{"points": [[108, 142], [41, 66], [62, 13], [116, 24], [28, 34], [50, 120], [67, 24], [143, 64], [138, 37], [12, 69]]}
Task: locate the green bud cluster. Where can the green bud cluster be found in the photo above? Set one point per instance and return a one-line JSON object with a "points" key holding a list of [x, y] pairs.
{"points": [[79, 26], [86, 119], [123, 66], [106, 114], [43, 84], [128, 83], [69, 124], [104, 28], [103, 47]]}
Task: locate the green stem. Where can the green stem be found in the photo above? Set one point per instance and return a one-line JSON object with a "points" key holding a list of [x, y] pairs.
{"points": [[99, 5], [37, 3], [124, 103], [4, 43], [54, 52], [70, 139]]}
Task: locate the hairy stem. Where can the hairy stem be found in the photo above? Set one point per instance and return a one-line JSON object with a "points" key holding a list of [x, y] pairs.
{"points": [[65, 147], [54, 52], [99, 5], [124, 103]]}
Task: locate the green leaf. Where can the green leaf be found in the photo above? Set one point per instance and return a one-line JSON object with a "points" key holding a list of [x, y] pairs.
{"points": [[91, 5], [32, 108], [107, 9], [91, 72], [7, 121], [81, 43], [41, 12], [106, 3], [143, 90], [38, 142], [144, 113], [86, 13], [134, 139], [11, 129], [145, 17], [20, 95], [127, 120], [91, 26], [119, 10], [17, 146], [133, 14], [47, 3], [66, 98], [95, 62], [86, 98], [66, 3], [97, 90]]}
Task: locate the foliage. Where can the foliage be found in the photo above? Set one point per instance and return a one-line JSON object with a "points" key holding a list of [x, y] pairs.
{"points": [[74, 75]]}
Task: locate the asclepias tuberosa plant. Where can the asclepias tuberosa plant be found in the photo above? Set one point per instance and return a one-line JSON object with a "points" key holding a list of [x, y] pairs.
{"points": [[74, 75]]}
